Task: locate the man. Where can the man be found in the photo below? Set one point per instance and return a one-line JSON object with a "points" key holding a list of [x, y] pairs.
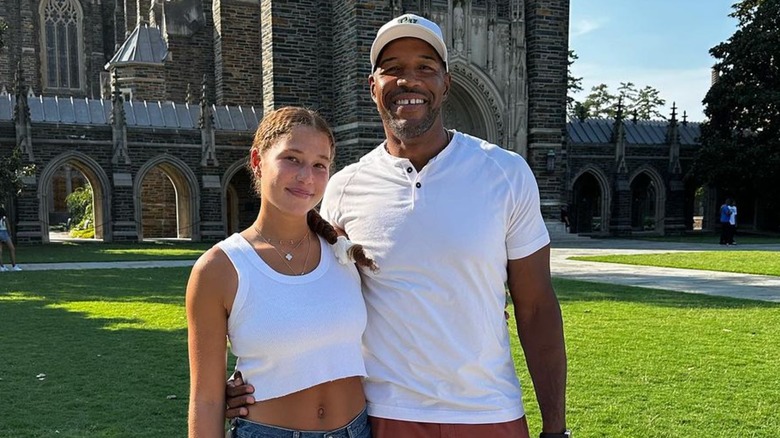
{"points": [[726, 235], [449, 219]]}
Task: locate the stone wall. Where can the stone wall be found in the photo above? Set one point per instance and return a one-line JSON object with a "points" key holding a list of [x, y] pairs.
{"points": [[547, 35], [238, 66]]}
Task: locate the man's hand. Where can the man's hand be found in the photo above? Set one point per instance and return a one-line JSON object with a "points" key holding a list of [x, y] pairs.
{"points": [[238, 396]]}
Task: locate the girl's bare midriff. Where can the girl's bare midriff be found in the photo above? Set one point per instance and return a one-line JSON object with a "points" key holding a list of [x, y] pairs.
{"points": [[327, 406]]}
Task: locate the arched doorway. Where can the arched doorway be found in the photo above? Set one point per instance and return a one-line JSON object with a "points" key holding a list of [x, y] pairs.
{"points": [[587, 209], [646, 202], [65, 181], [643, 193], [462, 113], [166, 200], [63, 175], [241, 204]]}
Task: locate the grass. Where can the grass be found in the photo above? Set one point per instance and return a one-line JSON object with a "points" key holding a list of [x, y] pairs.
{"points": [[746, 262], [647, 363], [108, 252], [714, 238]]}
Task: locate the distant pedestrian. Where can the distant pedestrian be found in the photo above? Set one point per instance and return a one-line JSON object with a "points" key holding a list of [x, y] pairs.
{"points": [[565, 217], [5, 238], [725, 219], [732, 222]]}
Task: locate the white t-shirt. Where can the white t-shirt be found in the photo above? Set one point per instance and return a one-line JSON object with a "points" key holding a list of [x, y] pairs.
{"points": [[436, 345], [733, 215]]}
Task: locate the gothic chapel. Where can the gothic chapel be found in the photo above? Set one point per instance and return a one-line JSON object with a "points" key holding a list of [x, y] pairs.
{"points": [[153, 103]]}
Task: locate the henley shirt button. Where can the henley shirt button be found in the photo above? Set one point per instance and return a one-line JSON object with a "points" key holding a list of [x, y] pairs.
{"points": [[418, 185], [408, 170]]}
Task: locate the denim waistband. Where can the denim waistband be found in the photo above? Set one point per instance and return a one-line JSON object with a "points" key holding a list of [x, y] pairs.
{"points": [[357, 428]]}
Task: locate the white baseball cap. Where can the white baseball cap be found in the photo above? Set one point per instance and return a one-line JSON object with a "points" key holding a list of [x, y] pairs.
{"points": [[409, 26]]}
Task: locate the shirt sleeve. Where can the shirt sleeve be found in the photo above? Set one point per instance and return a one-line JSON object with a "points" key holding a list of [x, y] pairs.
{"points": [[526, 230], [329, 209]]}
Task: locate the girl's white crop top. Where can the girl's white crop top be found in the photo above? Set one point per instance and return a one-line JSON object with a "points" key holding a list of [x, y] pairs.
{"points": [[293, 332]]}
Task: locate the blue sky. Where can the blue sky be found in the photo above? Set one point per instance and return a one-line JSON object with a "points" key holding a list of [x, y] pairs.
{"points": [[661, 43]]}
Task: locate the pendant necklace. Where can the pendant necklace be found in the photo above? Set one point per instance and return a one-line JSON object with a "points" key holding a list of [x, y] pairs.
{"points": [[288, 254], [285, 259]]}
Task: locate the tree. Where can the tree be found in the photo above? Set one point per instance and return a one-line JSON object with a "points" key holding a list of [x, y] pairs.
{"points": [[574, 84], [627, 91], [600, 102], [646, 103], [740, 151]]}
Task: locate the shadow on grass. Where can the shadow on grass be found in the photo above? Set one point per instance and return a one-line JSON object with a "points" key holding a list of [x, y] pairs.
{"points": [[575, 290], [99, 380]]}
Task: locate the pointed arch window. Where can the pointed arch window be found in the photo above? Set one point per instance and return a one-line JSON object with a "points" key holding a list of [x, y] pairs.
{"points": [[62, 30]]}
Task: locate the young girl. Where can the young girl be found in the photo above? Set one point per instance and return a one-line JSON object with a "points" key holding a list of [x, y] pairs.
{"points": [[5, 238], [293, 313]]}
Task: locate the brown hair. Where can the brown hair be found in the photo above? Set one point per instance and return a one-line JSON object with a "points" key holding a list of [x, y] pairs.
{"points": [[279, 123]]}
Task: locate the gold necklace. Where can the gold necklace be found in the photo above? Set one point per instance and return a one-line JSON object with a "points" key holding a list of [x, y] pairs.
{"points": [[288, 254], [285, 259]]}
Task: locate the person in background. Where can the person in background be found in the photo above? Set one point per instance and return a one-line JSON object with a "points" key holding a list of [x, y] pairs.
{"points": [[725, 219], [450, 219], [288, 301], [5, 239], [732, 222]]}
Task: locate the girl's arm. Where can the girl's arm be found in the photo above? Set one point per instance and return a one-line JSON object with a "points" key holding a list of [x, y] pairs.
{"points": [[211, 286]]}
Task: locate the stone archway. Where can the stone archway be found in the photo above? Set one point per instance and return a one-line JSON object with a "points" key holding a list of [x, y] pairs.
{"points": [[474, 105], [239, 201], [589, 211], [462, 113], [167, 201], [648, 197], [101, 192]]}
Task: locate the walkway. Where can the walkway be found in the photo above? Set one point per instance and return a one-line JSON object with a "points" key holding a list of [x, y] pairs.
{"points": [[754, 287]]}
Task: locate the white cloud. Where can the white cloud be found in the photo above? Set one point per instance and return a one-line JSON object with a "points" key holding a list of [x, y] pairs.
{"points": [[685, 87], [585, 25]]}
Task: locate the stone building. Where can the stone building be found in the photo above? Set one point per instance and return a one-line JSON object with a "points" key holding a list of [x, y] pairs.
{"points": [[626, 176], [153, 103]]}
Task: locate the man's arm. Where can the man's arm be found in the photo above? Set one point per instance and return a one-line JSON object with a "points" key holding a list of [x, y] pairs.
{"points": [[540, 328]]}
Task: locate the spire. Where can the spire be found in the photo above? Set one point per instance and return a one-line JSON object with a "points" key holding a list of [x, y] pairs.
{"points": [[21, 110], [685, 118], [673, 139], [206, 125], [190, 99], [205, 120], [22, 115], [118, 123]]}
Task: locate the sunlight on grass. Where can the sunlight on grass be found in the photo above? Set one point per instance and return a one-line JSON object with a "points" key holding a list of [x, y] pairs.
{"points": [[746, 262], [123, 315], [154, 252]]}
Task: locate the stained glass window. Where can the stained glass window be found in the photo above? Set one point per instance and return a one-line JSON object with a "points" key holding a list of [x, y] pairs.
{"points": [[62, 30]]}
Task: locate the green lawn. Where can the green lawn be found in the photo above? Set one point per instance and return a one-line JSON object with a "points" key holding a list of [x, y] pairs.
{"points": [[112, 345], [714, 238], [107, 252], [746, 262]]}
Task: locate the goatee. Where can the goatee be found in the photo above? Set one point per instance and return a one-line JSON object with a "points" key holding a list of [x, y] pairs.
{"points": [[404, 129]]}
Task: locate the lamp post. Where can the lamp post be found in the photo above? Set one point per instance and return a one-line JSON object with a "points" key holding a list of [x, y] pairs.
{"points": [[551, 160]]}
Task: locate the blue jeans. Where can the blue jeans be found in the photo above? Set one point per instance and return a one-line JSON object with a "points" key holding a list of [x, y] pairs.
{"points": [[357, 428]]}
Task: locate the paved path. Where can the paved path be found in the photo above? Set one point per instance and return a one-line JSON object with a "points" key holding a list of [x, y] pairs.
{"points": [[754, 287]]}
